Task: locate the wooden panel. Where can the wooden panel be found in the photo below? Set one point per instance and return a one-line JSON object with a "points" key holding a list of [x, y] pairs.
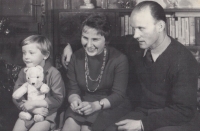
{"points": [[70, 24], [16, 7], [21, 21]]}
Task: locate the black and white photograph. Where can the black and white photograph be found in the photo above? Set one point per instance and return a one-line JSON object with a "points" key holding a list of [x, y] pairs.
{"points": [[99, 65]]}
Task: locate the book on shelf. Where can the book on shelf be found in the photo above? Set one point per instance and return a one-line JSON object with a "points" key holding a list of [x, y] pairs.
{"points": [[183, 31], [179, 29], [170, 26], [176, 28], [173, 27], [168, 17], [122, 25], [126, 23], [197, 30], [192, 30], [187, 41], [130, 28]]}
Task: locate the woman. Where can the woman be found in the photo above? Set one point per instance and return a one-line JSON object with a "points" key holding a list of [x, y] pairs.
{"points": [[98, 77]]}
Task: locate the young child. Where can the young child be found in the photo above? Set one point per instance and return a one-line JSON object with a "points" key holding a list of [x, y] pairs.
{"points": [[36, 51]]}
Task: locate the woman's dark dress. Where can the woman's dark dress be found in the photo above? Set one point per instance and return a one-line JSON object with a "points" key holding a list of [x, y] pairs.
{"points": [[113, 85]]}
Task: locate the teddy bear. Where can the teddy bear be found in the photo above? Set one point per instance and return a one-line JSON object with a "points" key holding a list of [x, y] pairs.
{"points": [[35, 89]]}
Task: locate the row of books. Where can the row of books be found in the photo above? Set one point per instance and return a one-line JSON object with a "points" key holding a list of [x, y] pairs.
{"points": [[126, 29], [183, 26], [182, 29]]}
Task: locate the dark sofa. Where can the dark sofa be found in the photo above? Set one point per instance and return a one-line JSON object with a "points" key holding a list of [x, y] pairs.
{"points": [[12, 63]]}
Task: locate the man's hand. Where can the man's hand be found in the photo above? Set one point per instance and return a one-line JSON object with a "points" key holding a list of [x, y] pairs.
{"points": [[40, 111], [129, 125], [66, 56]]}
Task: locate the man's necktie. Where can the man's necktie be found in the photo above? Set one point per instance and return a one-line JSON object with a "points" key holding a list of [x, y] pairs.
{"points": [[148, 58]]}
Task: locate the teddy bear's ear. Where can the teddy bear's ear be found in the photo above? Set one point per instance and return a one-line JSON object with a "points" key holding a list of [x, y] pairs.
{"points": [[40, 67], [25, 69]]}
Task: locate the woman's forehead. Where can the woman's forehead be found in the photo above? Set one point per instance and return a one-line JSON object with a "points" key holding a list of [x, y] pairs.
{"points": [[89, 30]]}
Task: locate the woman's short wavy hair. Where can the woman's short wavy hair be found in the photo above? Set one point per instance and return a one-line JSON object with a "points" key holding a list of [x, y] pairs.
{"points": [[99, 22]]}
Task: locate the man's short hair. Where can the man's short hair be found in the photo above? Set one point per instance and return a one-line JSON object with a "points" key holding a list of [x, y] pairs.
{"points": [[156, 9]]}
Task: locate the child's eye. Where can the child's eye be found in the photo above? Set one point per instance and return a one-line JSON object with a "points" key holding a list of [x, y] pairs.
{"points": [[38, 77], [28, 77]]}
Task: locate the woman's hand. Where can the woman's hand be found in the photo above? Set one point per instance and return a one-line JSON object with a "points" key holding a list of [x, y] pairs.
{"points": [[89, 107], [75, 105], [40, 111], [27, 105]]}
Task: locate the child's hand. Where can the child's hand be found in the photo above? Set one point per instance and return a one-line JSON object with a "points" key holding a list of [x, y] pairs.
{"points": [[40, 111], [27, 106]]}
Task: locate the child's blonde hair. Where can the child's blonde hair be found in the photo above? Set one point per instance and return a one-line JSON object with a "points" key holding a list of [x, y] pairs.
{"points": [[45, 44]]}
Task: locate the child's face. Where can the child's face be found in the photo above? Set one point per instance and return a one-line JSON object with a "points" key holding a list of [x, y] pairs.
{"points": [[32, 56]]}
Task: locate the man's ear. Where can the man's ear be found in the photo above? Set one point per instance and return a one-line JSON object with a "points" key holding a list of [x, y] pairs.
{"points": [[161, 25]]}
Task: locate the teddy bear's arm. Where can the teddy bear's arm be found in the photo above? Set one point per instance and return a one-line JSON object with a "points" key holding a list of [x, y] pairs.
{"points": [[44, 88], [20, 91]]}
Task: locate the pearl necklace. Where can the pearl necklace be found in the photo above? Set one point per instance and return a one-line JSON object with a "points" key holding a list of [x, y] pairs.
{"points": [[87, 71]]}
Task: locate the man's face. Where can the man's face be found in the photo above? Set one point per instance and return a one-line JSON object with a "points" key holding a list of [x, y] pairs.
{"points": [[145, 28]]}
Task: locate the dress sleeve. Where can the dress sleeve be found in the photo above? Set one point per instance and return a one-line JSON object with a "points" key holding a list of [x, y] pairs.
{"points": [[71, 74], [120, 81], [183, 95], [20, 81], [57, 93]]}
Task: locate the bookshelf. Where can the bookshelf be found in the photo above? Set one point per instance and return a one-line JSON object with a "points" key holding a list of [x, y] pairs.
{"points": [[67, 23]]}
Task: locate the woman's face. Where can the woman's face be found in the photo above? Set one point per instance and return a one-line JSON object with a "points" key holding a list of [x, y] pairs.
{"points": [[92, 42]]}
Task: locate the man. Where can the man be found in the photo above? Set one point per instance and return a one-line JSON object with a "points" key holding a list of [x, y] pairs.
{"points": [[165, 72]]}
